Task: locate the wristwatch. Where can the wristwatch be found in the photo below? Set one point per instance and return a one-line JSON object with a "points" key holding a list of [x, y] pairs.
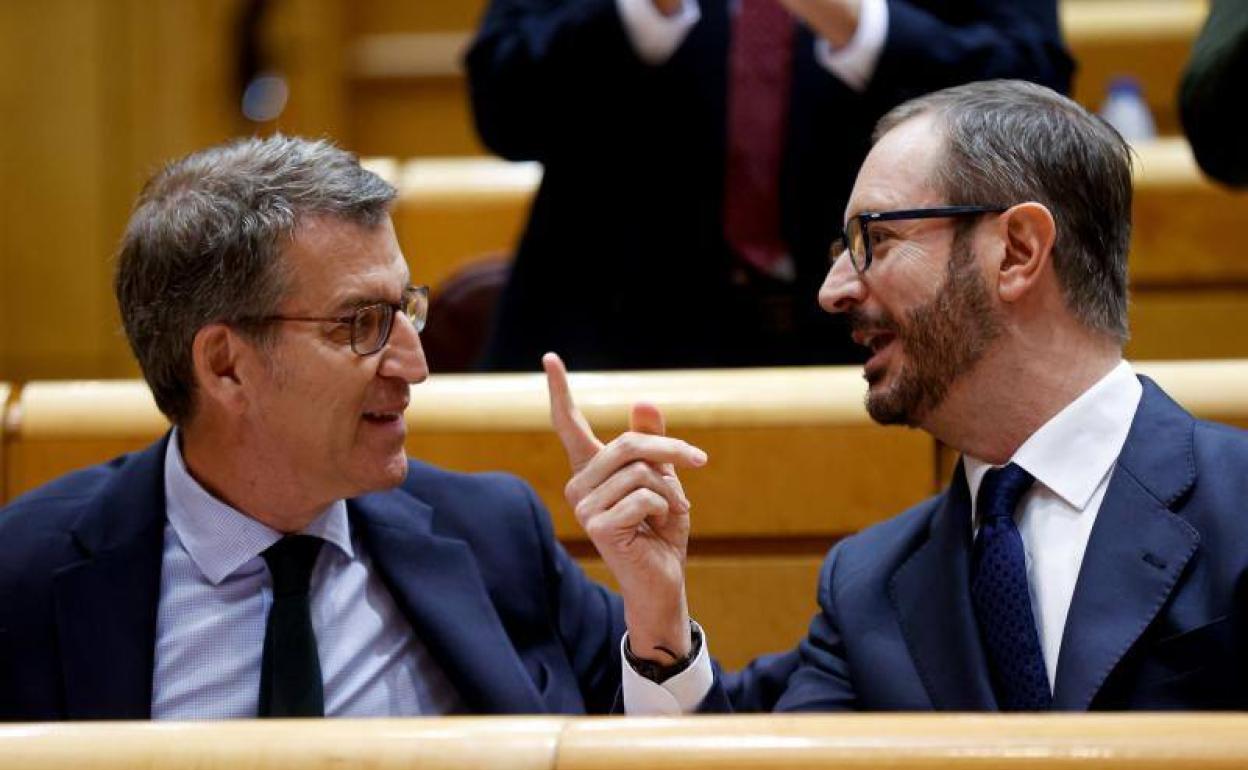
{"points": [[659, 673]]}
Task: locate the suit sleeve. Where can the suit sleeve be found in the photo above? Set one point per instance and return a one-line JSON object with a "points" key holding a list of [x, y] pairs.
{"points": [[589, 618], [1211, 95], [540, 71], [815, 677], [822, 680], [975, 40]]}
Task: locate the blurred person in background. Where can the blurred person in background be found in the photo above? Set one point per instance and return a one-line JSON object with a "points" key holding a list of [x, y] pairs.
{"points": [[693, 150], [1211, 95]]}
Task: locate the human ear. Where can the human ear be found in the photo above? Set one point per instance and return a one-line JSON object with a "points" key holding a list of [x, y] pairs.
{"points": [[215, 352], [1028, 232]]}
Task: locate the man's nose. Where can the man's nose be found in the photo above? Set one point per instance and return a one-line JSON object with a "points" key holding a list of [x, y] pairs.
{"points": [[403, 355], [843, 289]]}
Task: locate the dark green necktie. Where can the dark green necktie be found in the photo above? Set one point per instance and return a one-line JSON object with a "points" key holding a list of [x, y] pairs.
{"points": [[290, 672]]}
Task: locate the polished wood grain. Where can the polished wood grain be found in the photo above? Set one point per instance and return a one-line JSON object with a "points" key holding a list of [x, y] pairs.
{"points": [[517, 743], [98, 93], [749, 605], [792, 451], [744, 742], [1149, 40], [794, 463], [907, 742], [452, 212]]}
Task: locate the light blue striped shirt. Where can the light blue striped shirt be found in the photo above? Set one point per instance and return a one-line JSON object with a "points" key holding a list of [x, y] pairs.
{"points": [[215, 593]]}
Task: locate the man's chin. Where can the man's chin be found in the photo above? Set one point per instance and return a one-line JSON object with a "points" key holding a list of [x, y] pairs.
{"points": [[887, 406], [381, 475]]}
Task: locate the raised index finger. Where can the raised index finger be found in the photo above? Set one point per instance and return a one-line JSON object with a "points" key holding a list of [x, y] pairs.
{"points": [[570, 425]]}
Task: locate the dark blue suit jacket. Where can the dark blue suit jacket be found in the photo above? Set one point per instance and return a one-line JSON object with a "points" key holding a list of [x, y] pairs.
{"points": [[471, 560], [634, 172], [1158, 616]]}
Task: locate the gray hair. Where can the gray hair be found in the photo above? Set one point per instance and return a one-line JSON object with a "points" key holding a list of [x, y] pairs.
{"points": [[1009, 141], [205, 239]]}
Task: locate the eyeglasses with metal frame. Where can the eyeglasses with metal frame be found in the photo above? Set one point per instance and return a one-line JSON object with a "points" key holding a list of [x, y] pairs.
{"points": [[856, 237], [370, 324]]}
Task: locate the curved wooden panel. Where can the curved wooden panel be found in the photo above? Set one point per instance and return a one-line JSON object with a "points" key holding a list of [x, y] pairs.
{"points": [[702, 398], [88, 409], [793, 451], [749, 604], [1047, 742], [1211, 390], [1186, 228], [382, 744], [1149, 40]]}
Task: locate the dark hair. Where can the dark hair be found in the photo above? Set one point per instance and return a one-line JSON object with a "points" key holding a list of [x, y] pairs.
{"points": [[204, 242], [1009, 141]]}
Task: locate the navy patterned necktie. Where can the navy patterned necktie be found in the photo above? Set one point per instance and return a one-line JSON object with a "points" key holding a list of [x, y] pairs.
{"points": [[1001, 597], [290, 671]]}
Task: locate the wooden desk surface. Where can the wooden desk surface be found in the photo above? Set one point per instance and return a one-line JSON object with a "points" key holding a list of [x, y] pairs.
{"points": [[743, 742]]}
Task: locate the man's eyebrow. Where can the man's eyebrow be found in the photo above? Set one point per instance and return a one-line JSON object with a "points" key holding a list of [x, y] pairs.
{"points": [[353, 302]]}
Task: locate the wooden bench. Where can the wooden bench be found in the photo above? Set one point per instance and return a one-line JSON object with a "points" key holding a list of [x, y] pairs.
{"points": [[742, 742], [907, 742], [515, 743], [795, 463], [1149, 40], [452, 211], [1189, 285]]}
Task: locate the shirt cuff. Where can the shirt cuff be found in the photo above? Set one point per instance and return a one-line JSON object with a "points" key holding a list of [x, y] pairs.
{"points": [[854, 63], [656, 37], [681, 694]]}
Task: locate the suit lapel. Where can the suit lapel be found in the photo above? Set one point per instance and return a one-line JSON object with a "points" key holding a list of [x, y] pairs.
{"points": [[1136, 553], [436, 582], [106, 604], [930, 591]]}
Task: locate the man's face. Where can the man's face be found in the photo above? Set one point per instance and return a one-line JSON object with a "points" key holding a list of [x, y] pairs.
{"points": [[332, 420], [923, 307]]}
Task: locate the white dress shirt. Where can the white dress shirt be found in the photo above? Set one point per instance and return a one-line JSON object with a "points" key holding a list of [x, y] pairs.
{"points": [[656, 37], [1071, 457], [215, 594]]}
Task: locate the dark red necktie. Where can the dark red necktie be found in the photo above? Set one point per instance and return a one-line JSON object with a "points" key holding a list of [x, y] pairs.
{"points": [[760, 67]]}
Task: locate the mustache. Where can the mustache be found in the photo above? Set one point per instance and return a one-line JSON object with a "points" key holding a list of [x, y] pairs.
{"points": [[882, 321]]}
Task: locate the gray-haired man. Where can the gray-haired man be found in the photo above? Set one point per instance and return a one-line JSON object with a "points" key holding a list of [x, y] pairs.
{"points": [[277, 553]]}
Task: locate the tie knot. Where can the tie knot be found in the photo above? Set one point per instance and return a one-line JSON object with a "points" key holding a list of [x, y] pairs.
{"points": [[1001, 490], [290, 561]]}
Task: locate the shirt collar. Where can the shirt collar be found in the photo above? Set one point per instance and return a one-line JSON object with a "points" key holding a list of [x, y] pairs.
{"points": [[221, 539], [1072, 452]]}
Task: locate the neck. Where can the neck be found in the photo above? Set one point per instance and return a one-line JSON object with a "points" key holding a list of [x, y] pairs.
{"points": [[1015, 389], [221, 463]]}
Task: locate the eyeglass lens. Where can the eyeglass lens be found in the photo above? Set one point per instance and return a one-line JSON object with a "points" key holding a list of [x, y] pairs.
{"points": [[856, 244], [370, 328]]}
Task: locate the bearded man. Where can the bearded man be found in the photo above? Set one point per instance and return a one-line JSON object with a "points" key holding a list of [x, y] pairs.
{"points": [[1091, 551]]}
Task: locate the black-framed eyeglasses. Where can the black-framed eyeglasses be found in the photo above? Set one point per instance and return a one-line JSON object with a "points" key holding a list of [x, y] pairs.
{"points": [[856, 237], [371, 324]]}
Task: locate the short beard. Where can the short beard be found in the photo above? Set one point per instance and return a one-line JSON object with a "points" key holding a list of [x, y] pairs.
{"points": [[939, 340]]}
